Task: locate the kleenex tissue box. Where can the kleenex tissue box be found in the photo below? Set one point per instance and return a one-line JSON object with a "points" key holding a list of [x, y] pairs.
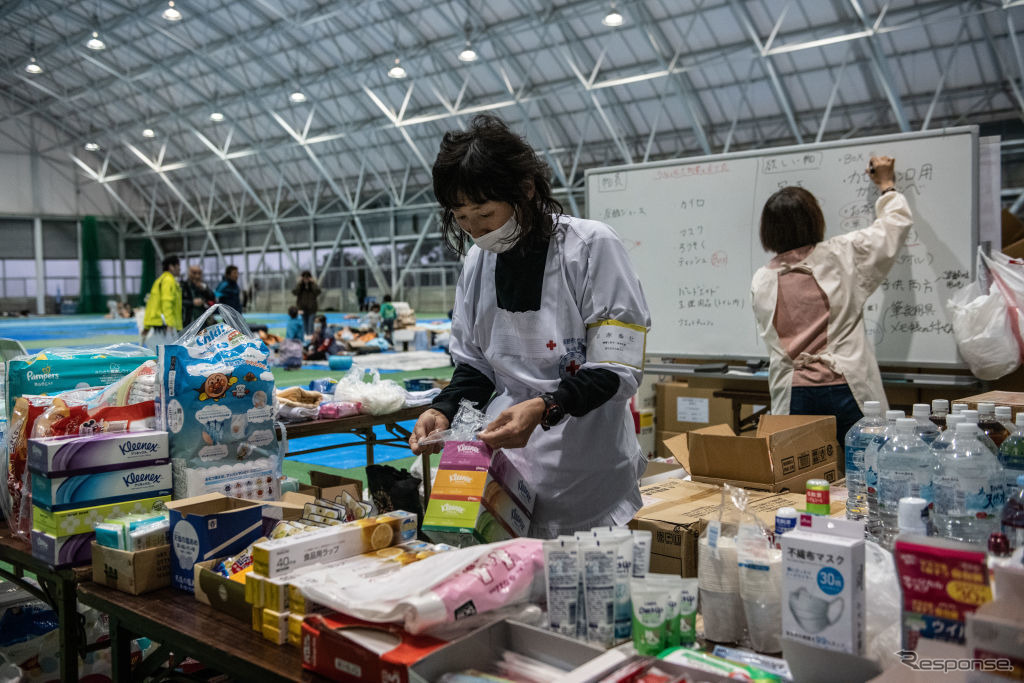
{"points": [[823, 584], [80, 490], [62, 455]]}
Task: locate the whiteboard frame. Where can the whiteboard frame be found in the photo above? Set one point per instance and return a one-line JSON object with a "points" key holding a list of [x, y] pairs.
{"points": [[763, 151]]}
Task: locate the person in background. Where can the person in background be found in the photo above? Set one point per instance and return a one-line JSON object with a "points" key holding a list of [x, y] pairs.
{"points": [[162, 322], [809, 300], [306, 293], [227, 291], [321, 343], [196, 297], [550, 319], [295, 330], [373, 317], [388, 315]]}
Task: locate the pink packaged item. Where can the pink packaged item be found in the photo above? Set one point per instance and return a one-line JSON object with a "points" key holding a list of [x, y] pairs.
{"points": [[466, 455], [332, 411]]}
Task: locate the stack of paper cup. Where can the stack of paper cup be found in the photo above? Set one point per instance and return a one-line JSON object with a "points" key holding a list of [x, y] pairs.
{"points": [[761, 593], [719, 582]]}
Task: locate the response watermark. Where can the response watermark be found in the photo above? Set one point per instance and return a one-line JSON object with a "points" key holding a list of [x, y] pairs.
{"points": [[911, 659]]}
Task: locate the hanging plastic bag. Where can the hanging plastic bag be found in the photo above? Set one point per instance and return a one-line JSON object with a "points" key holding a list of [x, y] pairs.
{"points": [[216, 403], [759, 565], [982, 326], [377, 396]]}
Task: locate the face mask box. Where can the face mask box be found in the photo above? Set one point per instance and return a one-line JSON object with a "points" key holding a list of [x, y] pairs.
{"points": [[207, 527], [823, 584]]}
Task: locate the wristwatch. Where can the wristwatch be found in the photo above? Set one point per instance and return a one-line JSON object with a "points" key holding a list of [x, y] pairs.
{"points": [[553, 412]]}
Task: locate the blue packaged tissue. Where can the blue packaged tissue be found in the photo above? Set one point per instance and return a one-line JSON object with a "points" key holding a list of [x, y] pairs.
{"points": [[80, 490]]}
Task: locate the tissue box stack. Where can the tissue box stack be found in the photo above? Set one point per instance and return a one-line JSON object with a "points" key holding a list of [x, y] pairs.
{"points": [[477, 497], [78, 481]]}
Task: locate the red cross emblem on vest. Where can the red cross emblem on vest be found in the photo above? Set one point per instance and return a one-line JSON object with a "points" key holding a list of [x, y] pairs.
{"points": [[551, 344]]}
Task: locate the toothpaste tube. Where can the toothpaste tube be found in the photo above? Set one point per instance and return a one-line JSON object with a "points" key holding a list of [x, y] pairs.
{"points": [[641, 553], [622, 540], [600, 558], [561, 572], [650, 616]]}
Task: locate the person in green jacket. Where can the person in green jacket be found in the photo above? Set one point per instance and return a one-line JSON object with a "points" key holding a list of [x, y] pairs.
{"points": [[388, 315], [162, 322]]}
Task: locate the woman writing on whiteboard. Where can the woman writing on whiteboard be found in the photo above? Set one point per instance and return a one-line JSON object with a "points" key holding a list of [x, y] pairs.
{"points": [[809, 300], [548, 331]]}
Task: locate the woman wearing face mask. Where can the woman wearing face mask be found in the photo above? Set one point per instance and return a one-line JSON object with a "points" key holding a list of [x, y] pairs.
{"points": [[548, 331]]}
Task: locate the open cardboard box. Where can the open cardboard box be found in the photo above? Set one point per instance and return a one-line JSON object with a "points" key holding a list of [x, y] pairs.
{"points": [[220, 592], [786, 451], [1014, 399], [131, 572], [330, 486]]}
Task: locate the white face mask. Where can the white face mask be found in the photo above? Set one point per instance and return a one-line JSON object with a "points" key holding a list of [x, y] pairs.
{"points": [[501, 239]]}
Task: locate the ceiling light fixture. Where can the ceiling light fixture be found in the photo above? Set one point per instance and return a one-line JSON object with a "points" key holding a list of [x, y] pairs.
{"points": [[148, 133], [95, 43], [613, 18], [171, 13], [216, 117], [33, 67], [91, 147], [468, 54], [297, 97], [397, 71]]}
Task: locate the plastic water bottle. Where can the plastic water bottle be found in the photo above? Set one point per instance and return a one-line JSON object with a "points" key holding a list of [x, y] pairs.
{"points": [[905, 466], [926, 429], [874, 526], [958, 408], [857, 440], [1005, 415], [968, 489], [945, 439], [1011, 456], [1013, 516], [940, 409], [971, 417], [988, 423]]}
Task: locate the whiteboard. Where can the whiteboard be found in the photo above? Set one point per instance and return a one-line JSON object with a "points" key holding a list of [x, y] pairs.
{"points": [[691, 228]]}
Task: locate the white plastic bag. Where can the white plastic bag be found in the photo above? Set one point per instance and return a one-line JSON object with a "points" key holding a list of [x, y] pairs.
{"points": [[378, 396]]}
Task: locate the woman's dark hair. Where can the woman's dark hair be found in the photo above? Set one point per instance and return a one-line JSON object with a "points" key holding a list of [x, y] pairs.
{"points": [[228, 270], [169, 261], [791, 219], [306, 273], [489, 162]]}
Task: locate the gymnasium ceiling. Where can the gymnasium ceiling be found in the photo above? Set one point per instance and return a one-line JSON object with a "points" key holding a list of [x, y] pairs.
{"points": [[677, 78]]}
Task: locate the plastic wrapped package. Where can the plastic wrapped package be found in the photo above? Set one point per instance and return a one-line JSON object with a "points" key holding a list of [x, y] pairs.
{"points": [[377, 396], [882, 586], [216, 403], [718, 574], [296, 404]]}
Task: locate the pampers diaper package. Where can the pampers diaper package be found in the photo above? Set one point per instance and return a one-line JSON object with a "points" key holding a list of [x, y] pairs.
{"points": [[216, 403]]}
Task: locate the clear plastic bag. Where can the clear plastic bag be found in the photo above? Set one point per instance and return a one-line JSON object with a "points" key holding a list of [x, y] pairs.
{"points": [[377, 396], [718, 574], [466, 424]]}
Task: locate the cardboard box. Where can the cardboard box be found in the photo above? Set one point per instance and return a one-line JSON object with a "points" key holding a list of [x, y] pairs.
{"points": [[132, 572], [65, 551], [290, 507], [823, 601], [660, 449], [1014, 399], [342, 648], [503, 471], [100, 488], [220, 592], [483, 647], [64, 455], [786, 451], [645, 433], [82, 520], [995, 635], [676, 511], [207, 527], [681, 408], [659, 471], [330, 486]]}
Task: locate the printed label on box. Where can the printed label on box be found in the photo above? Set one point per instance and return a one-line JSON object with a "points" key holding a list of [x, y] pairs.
{"points": [[692, 409]]}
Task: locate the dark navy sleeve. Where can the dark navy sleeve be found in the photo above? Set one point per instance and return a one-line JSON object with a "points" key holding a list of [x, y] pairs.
{"points": [[467, 382], [587, 390]]}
